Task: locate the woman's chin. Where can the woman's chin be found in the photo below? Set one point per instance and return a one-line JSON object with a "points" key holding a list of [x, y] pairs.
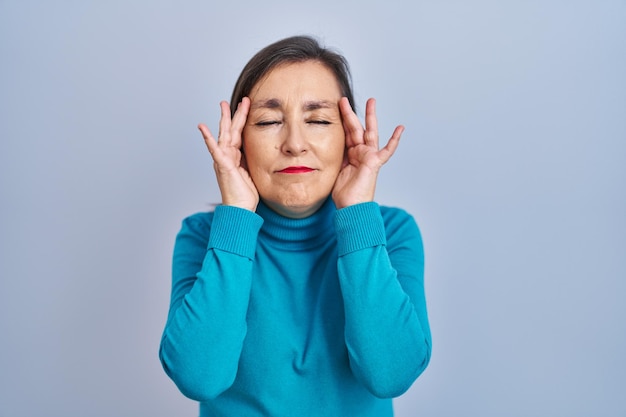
{"points": [[295, 208]]}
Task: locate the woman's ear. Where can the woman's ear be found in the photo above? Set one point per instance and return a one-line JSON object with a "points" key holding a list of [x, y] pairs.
{"points": [[244, 163]]}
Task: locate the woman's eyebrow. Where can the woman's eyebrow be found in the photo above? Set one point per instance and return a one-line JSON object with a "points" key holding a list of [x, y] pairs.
{"points": [[271, 103], [319, 104]]}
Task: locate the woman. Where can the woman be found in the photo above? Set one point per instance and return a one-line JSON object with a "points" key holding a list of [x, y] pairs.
{"points": [[299, 295]]}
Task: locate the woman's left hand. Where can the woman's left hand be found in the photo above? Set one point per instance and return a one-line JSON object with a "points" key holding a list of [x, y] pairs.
{"points": [[356, 182]]}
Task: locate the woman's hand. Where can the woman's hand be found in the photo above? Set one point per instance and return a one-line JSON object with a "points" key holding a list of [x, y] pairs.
{"points": [[233, 179], [356, 182]]}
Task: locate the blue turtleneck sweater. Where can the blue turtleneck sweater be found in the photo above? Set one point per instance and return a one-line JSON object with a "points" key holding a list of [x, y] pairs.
{"points": [[322, 316]]}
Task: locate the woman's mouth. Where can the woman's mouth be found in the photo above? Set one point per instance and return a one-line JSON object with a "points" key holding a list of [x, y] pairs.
{"points": [[296, 170]]}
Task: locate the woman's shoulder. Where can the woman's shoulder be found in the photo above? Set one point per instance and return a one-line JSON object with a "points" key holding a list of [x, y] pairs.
{"points": [[398, 222], [197, 223], [201, 217], [395, 214]]}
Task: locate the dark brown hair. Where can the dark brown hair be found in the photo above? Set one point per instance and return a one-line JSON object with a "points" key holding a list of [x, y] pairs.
{"points": [[290, 50]]}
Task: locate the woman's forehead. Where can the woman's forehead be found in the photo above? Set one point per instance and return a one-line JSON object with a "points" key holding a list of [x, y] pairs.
{"points": [[310, 81]]}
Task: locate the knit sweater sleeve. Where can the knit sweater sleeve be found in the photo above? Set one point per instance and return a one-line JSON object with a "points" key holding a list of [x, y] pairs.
{"points": [[381, 274], [211, 281]]}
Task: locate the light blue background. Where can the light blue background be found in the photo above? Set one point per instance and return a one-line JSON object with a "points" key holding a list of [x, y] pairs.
{"points": [[513, 163]]}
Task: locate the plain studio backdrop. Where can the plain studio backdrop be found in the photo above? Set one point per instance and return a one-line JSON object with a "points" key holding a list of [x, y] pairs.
{"points": [[513, 163]]}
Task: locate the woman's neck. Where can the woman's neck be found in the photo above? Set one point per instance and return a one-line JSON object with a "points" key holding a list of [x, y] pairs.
{"points": [[301, 233]]}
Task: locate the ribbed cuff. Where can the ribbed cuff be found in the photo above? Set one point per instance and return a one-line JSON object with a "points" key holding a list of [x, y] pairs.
{"points": [[358, 227], [235, 230]]}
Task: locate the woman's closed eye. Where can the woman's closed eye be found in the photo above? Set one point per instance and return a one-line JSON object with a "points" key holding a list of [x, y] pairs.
{"points": [[267, 123], [276, 122]]}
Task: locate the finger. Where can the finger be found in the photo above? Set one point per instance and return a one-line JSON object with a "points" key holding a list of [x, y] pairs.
{"points": [[223, 136], [351, 123], [239, 122], [387, 152], [209, 140], [371, 124]]}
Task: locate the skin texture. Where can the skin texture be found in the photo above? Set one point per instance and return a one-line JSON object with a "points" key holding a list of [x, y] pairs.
{"points": [[295, 117]]}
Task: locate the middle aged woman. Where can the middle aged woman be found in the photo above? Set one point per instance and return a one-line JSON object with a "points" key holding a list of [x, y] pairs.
{"points": [[299, 295]]}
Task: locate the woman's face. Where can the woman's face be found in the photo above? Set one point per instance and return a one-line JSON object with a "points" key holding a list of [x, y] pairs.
{"points": [[294, 139]]}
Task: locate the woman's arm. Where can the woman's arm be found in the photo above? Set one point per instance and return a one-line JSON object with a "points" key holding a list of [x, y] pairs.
{"points": [[381, 273], [211, 281], [211, 273]]}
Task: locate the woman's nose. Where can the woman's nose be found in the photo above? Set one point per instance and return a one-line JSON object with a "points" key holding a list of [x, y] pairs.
{"points": [[294, 142]]}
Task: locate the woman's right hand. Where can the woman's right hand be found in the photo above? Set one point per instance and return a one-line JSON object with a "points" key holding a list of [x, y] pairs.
{"points": [[235, 183]]}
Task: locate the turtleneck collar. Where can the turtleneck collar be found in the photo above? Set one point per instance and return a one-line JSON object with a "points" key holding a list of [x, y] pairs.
{"points": [[298, 233]]}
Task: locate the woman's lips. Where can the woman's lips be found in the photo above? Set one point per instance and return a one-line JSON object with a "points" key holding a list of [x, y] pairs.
{"points": [[296, 170]]}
